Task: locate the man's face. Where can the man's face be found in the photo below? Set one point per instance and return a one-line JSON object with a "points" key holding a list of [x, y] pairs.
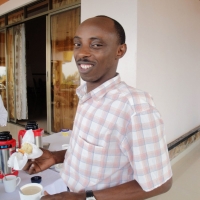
{"points": [[95, 50]]}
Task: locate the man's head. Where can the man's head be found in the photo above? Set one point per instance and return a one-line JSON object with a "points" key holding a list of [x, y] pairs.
{"points": [[99, 43], [119, 30]]}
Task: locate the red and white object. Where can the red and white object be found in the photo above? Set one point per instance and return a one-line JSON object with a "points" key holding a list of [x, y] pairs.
{"points": [[7, 148], [37, 136]]}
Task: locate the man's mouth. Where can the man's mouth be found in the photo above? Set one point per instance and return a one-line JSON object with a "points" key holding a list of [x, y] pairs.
{"points": [[84, 66]]}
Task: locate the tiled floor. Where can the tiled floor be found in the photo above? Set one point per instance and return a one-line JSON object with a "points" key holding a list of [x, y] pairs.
{"points": [[186, 171], [13, 128]]}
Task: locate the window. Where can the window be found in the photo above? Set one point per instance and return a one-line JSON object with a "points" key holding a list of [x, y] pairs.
{"points": [[15, 16]]}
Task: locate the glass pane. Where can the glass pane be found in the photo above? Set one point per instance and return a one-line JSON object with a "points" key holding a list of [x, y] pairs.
{"points": [[37, 8], [65, 76], [60, 3], [2, 21], [10, 81], [3, 68], [15, 17]]}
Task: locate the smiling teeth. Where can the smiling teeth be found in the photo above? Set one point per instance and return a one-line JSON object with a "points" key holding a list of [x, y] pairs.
{"points": [[86, 66]]}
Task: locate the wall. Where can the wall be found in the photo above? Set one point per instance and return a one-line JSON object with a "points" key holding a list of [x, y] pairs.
{"points": [[168, 61], [13, 4], [125, 12]]}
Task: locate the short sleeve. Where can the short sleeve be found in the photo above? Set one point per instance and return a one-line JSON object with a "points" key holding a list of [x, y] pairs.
{"points": [[146, 148]]}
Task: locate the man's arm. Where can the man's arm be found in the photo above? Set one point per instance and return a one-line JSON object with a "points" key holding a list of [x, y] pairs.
{"points": [[130, 191], [126, 191]]}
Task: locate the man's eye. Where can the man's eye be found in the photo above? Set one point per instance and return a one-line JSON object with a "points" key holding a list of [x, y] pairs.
{"points": [[97, 45], [76, 44]]}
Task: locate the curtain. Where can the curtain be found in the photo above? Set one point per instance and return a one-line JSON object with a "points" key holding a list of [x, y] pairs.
{"points": [[20, 73], [3, 68], [10, 74], [65, 76], [3, 114]]}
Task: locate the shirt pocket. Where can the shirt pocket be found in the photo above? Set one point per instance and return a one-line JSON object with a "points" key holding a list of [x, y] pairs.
{"points": [[92, 159]]}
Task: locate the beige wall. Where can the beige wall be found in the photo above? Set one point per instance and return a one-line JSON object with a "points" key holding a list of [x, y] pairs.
{"points": [[13, 4], [166, 38], [168, 60]]}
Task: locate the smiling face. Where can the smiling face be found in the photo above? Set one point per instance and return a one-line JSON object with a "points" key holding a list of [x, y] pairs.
{"points": [[97, 51]]}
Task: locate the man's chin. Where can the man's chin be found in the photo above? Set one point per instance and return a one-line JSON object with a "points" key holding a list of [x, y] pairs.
{"points": [[89, 79], [85, 78]]}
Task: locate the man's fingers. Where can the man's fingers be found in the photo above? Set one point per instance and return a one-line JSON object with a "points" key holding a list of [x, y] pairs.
{"points": [[45, 193], [27, 166], [46, 196], [32, 169]]}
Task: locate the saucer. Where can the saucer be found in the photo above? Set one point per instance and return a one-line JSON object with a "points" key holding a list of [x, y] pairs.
{"points": [[58, 167]]}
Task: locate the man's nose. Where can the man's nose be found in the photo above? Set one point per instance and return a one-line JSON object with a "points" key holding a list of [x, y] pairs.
{"points": [[84, 51]]}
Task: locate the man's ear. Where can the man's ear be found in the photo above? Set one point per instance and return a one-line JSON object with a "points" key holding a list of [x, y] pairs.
{"points": [[121, 51]]}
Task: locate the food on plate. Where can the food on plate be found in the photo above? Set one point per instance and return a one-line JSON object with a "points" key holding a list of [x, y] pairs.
{"points": [[26, 148]]}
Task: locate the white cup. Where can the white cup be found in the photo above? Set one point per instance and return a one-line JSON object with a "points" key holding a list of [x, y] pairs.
{"points": [[11, 182], [31, 191], [65, 146]]}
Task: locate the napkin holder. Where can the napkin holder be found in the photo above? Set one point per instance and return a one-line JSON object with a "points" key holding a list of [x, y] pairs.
{"points": [[7, 148], [37, 137]]}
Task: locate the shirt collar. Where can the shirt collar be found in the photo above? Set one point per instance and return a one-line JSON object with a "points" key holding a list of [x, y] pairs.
{"points": [[98, 92]]}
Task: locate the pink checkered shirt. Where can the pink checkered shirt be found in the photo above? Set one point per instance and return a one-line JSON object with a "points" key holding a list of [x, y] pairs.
{"points": [[117, 137]]}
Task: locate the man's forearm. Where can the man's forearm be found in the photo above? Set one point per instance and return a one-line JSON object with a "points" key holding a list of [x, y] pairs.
{"points": [[126, 191], [130, 191]]}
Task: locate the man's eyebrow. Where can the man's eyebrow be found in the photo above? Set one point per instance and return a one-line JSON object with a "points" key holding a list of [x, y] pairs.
{"points": [[95, 38], [92, 38], [76, 37]]}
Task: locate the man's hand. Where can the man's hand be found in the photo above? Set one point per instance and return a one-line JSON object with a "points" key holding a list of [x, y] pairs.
{"points": [[39, 164], [64, 196]]}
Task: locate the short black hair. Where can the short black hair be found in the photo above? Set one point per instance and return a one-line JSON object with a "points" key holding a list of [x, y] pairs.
{"points": [[119, 29]]}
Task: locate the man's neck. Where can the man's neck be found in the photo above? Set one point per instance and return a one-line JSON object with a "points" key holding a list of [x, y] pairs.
{"points": [[92, 85]]}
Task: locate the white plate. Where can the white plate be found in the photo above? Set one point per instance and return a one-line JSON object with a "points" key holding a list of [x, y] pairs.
{"points": [[52, 167], [58, 167], [65, 146]]}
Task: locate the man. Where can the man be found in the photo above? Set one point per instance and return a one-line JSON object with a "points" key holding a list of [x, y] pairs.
{"points": [[117, 149]]}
